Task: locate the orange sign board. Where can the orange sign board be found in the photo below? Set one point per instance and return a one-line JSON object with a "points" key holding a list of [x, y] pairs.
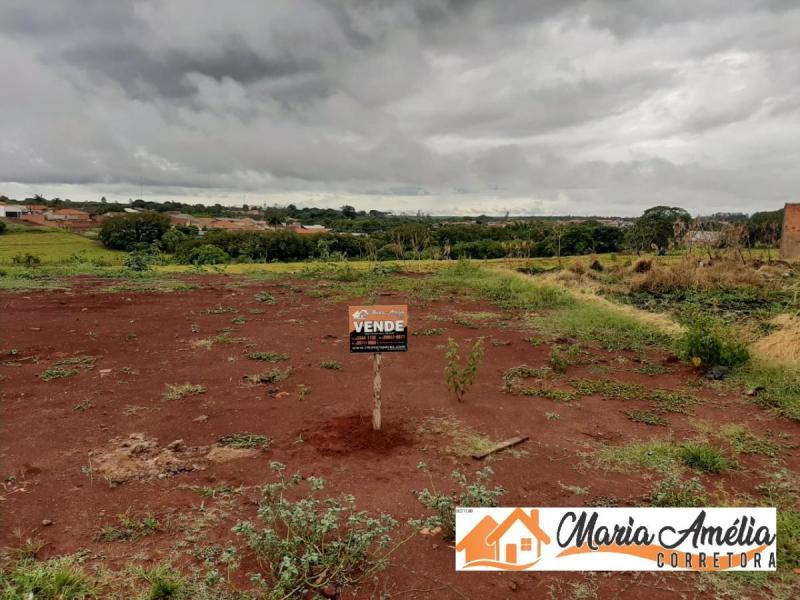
{"points": [[379, 328]]}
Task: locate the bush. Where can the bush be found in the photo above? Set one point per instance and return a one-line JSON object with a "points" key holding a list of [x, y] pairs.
{"points": [[390, 252], [131, 231], [674, 491], [444, 505], [3, 227], [26, 259], [479, 249], [207, 254], [141, 260], [706, 343], [310, 544], [172, 239]]}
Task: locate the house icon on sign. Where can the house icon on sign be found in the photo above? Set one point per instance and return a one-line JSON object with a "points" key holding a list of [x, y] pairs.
{"points": [[517, 540]]}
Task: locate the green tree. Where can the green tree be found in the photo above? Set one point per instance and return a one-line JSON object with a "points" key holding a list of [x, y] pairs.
{"points": [[657, 227], [131, 231], [3, 227], [172, 239]]}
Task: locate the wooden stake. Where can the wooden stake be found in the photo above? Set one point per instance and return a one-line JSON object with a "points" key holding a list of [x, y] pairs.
{"points": [[376, 391]]}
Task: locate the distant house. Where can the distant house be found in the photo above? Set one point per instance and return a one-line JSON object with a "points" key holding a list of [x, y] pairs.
{"points": [[11, 211], [67, 214], [702, 238], [308, 229]]}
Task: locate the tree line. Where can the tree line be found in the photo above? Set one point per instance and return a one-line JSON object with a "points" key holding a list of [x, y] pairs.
{"points": [[658, 229]]}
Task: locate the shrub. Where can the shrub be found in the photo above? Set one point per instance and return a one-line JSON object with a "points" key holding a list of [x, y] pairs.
{"points": [[459, 378], [131, 231], [706, 343], [26, 259], [476, 493], [332, 365], [207, 254], [172, 239], [310, 544], [141, 260], [3, 227], [674, 491]]}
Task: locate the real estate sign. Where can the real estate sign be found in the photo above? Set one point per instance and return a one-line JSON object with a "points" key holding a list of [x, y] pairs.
{"points": [[382, 328]]}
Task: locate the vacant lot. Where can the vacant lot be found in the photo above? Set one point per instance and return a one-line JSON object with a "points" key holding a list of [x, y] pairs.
{"points": [[53, 246], [139, 421]]}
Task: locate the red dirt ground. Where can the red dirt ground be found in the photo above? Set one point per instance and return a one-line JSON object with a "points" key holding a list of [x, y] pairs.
{"points": [[49, 428]]}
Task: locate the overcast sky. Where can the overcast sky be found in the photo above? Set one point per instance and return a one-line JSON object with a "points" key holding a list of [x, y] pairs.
{"points": [[468, 107]]}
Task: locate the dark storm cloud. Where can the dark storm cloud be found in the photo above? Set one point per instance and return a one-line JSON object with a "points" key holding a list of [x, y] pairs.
{"points": [[454, 105]]}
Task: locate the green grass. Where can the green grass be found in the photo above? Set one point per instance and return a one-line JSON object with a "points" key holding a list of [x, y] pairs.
{"points": [[503, 288], [54, 246], [647, 418], [56, 579], [268, 356], [57, 373], [778, 387], [245, 441], [591, 322], [744, 441], [429, 331], [656, 454], [129, 527], [703, 457], [664, 456], [674, 491]]}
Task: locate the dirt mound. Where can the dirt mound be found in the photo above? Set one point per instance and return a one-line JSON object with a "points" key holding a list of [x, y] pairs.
{"points": [[354, 433], [139, 457]]}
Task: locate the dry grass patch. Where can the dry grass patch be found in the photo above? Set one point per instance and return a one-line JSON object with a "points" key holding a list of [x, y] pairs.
{"points": [[463, 440], [177, 391]]}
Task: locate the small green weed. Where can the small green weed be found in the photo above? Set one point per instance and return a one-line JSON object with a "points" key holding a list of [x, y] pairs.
{"points": [[331, 365], [265, 297], [244, 441], [268, 356], [673, 490], [57, 373], [430, 331], [646, 417], [129, 527]]}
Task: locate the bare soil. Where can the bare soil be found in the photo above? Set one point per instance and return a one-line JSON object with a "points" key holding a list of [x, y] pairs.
{"points": [[79, 450]]}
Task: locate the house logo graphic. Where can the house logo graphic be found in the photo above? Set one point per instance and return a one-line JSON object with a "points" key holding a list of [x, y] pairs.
{"points": [[513, 545]]}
